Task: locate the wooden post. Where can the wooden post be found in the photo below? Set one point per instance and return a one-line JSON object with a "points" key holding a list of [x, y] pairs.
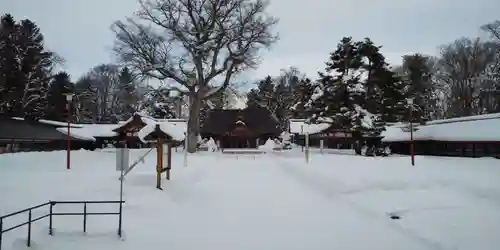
{"points": [[307, 147], [169, 160], [159, 161], [302, 133]]}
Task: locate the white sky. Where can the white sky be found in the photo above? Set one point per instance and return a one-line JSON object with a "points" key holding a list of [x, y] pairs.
{"points": [[79, 29]]}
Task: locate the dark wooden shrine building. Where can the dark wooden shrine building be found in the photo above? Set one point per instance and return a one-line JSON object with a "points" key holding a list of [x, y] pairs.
{"points": [[129, 130], [240, 128]]}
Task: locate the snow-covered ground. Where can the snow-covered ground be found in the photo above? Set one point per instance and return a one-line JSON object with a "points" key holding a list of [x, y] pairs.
{"points": [[270, 201]]}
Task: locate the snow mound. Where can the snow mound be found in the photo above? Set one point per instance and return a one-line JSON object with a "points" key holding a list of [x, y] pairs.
{"points": [[285, 136], [269, 146], [210, 145]]}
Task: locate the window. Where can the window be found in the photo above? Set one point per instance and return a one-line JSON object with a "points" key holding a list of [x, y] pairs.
{"points": [[132, 134]]}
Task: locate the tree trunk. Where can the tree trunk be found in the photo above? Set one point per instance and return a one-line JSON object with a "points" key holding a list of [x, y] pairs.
{"points": [[193, 122]]}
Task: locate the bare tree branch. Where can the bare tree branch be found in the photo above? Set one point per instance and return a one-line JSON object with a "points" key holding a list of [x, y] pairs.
{"points": [[463, 65], [209, 36], [493, 29], [198, 44]]}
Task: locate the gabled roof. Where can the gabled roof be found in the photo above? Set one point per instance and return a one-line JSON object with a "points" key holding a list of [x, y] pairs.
{"points": [[155, 133], [136, 120], [257, 119], [151, 128]]}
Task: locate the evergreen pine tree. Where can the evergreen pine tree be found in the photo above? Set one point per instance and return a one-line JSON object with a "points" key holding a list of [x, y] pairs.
{"points": [[35, 71], [253, 98], [417, 74], [56, 100], [384, 91], [9, 65], [358, 92], [340, 92], [302, 94], [264, 95], [276, 98], [86, 98], [25, 68], [126, 95]]}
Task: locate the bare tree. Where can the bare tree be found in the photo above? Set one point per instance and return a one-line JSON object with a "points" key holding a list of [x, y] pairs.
{"points": [[99, 94], [106, 82], [491, 95], [195, 44], [462, 67]]}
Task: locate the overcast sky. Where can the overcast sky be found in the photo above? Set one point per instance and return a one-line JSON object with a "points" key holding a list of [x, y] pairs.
{"points": [[309, 29]]}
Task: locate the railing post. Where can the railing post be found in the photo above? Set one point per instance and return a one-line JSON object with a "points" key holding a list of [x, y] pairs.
{"points": [[50, 218], [1, 232], [29, 228], [120, 219], [84, 217]]}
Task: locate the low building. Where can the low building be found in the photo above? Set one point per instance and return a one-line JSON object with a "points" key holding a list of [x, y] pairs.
{"points": [[472, 136], [17, 134], [332, 137], [130, 131], [240, 128]]}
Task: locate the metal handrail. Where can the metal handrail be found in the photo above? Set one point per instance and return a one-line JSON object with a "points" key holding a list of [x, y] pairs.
{"points": [[51, 204]]}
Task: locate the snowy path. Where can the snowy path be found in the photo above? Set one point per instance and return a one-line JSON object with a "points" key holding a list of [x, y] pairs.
{"points": [[271, 202], [443, 206], [255, 204], [332, 189]]}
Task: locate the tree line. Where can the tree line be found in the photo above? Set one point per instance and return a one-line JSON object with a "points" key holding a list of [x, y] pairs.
{"points": [[194, 50], [358, 86], [31, 88]]}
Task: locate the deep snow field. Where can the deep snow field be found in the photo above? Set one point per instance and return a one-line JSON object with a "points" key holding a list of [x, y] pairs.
{"points": [[273, 201]]}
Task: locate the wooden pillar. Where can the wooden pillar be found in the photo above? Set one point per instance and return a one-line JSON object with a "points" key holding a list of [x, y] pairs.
{"points": [[159, 161], [169, 160]]}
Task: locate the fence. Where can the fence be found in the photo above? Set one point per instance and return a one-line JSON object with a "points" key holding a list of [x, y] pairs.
{"points": [[50, 214]]}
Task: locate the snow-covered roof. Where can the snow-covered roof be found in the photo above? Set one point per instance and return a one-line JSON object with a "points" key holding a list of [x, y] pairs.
{"points": [[176, 130], [91, 131], [58, 123], [50, 122], [299, 126], [466, 118], [471, 128], [179, 123], [77, 133]]}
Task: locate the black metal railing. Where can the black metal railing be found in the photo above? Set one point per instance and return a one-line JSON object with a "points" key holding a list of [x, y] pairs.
{"points": [[50, 214]]}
